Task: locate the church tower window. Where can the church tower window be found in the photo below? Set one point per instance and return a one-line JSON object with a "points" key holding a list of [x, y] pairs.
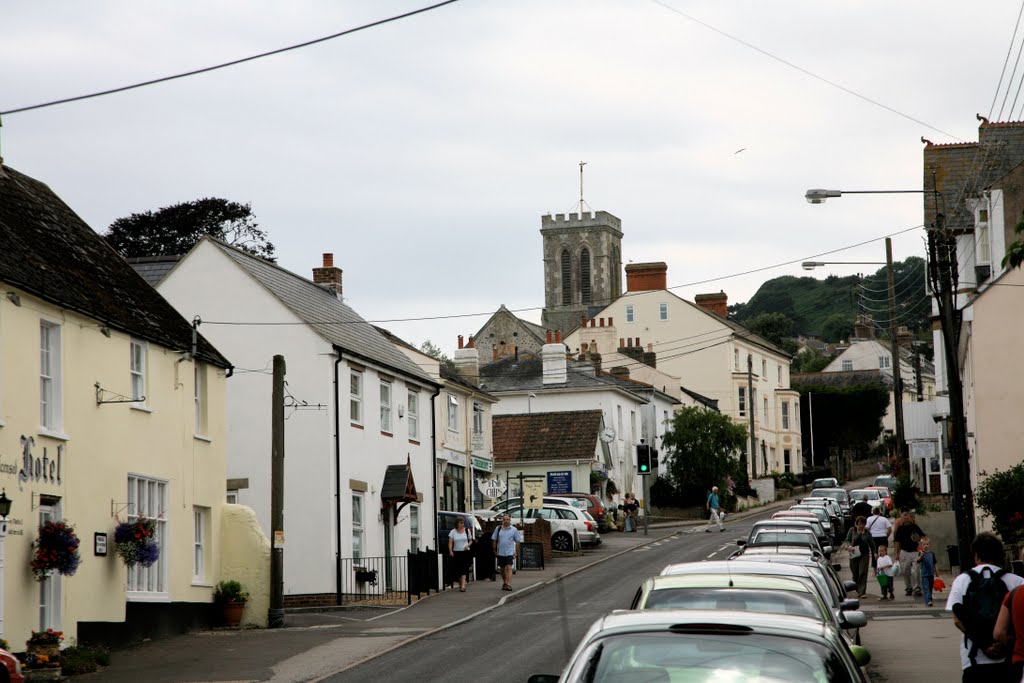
{"points": [[585, 275], [566, 278]]}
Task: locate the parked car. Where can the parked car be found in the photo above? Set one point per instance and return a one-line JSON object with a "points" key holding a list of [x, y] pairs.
{"points": [[446, 522], [829, 522], [873, 494], [812, 525], [841, 497], [887, 480], [703, 645], [777, 538], [844, 610], [886, 495], [817, 514], [825, 483], [564, 519], [595, 507], [503, 506], [12, 668], [835, 512]]}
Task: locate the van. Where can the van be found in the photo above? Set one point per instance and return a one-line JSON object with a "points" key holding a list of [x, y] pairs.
{"points": [[446, 522]]}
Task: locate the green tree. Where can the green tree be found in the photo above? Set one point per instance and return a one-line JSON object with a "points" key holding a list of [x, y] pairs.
{"points": [[700, 450], [175, 229], [775, 327], [434, 351], [810, 360], [1015, 250], [837, 327], [999, 496], [844, 417]]}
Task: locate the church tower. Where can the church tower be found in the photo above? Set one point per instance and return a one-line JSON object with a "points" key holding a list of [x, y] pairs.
{"points": [[582, 266]]}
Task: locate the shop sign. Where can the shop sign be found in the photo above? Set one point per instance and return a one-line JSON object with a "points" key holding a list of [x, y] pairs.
{"points": [[492, 488], [482, 465], [39, 469], [559, 482]]}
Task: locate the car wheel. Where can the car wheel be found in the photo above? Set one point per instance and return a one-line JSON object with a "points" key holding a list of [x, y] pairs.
{"points": [[562, 542]]}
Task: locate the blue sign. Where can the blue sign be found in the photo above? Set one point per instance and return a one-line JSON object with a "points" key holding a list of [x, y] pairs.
{"points": [[559, 482]]}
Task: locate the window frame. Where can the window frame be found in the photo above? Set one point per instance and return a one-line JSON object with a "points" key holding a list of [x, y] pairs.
{"points": [[741, 401], [138, 357], [414, 527], [155, 580], [478, 418], [357, 524], [413, 413], [630, 315], [200, 399], [453, 413], [355, 397], [662, 311], [51, 413], [199, 524], [846, 366], [385, 407], [785, 415], [884, 362]]}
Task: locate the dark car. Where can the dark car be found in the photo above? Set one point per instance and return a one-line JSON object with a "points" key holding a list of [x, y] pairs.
{"points": [[446, 522], [594, 506]]}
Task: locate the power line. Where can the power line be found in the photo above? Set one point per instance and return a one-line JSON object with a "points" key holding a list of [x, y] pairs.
{"points": [[1006, 61], [234, 62]]}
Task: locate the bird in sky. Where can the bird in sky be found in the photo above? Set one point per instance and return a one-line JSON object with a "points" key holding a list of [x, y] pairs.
{"points": [[739, 150]]}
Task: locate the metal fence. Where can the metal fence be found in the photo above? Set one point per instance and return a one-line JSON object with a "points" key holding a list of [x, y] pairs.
{"points": [[389, 579]]}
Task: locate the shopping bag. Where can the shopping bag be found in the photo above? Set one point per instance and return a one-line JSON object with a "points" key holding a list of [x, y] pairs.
{"points": [[939, 585], [896, 568]]}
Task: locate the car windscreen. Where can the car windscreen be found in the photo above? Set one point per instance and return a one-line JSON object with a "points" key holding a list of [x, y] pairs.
{"points": [[711, 655], [783, 538], [746, 599], [870, 493], [818, 512], [834, 494]]}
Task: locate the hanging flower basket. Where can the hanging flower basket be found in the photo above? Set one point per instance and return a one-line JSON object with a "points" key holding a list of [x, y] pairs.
{"points": [[135, 542], [56, 550]]}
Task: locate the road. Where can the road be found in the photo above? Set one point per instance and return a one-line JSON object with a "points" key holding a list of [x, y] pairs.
{"points": [[538, 633]]}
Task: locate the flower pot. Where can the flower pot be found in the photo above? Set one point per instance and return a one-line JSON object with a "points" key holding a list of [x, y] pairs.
{"points": [[232, 613], [51, 651]]}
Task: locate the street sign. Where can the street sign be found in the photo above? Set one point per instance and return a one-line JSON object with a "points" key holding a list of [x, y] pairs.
{"points": [[533, 494], [559, 482], [482, 465], [492, 488]]}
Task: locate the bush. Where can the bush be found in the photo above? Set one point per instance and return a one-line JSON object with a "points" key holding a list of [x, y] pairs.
{"points": [[230, 591], [82, 660], [906, 494], [999, 496], [785, 480]]}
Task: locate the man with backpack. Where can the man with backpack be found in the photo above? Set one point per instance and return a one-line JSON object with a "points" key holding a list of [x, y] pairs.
{"points": [[975, 600]]}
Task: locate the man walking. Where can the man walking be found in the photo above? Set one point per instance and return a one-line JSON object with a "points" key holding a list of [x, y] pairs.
{"points": [[975, 599], [506, 539], [906, 537], [713, 506]]}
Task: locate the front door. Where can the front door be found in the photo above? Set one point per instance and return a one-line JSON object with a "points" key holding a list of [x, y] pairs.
{"points": [[49, 588]]}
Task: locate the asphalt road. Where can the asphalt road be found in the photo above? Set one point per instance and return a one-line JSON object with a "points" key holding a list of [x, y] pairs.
{"points": [[537, 633]]}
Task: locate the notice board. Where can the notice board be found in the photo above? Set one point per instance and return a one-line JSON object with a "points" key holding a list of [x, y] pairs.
{"points": [[559, 482], [531, 556]]}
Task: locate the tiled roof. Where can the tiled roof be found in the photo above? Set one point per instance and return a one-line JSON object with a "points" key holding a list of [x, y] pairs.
{"points": [[570, 435], [398, 484], [153, 268], [711, 403], [332, 319], [48, 251], [510, 374]]}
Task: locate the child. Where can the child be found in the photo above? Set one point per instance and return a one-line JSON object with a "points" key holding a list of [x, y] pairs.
{"points": [[926, 560], [884, 566]]}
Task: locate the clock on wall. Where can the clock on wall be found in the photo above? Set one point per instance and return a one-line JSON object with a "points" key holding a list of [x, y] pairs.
{"points": [[607, 435]]}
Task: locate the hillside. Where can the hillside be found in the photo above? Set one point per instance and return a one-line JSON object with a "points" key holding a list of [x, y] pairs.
{"points": [[828, 307]]}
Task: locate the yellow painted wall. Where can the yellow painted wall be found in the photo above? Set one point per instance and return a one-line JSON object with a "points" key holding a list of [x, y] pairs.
{"points": [[245, 558]]}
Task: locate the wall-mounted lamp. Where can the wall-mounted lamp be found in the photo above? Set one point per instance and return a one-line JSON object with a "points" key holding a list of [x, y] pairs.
{"points": [[14, 298], [5, 508]]}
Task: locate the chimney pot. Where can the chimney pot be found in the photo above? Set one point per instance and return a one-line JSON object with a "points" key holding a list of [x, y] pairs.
{"points": [[558, 336], [602, 322], [549, 337], [460, 341], [472, 344], [328, 260]]}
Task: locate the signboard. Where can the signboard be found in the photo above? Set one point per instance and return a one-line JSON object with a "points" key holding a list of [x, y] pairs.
{"points": [[531, 556], [278, 539], [477, 441], [560, 482], [492, 488], [533, 494], [482, 465], [598, 467]]}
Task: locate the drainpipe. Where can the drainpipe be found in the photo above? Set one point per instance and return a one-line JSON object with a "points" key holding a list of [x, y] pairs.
{"points": [[337, 479], [433, 464]]}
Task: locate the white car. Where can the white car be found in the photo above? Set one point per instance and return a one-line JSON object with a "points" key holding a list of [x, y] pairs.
{"points": [[564, 519], [503, 506]]}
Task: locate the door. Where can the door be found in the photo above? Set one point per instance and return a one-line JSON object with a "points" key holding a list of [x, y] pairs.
{"points": [[49, 588]]}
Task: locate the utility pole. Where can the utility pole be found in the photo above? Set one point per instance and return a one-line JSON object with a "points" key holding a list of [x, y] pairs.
{"points": [[917, 372], [897, 374], [943, 263], [753, 408], [275, 615]]}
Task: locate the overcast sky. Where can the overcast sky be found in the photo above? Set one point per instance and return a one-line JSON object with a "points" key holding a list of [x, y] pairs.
{"points": [[423, 152]]}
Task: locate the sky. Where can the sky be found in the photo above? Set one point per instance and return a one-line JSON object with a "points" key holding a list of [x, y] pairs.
{"points": [[423, 152]]}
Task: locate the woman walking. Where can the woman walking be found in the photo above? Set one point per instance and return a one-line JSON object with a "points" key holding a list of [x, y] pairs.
{"points": [[460, 540], [861, 548]]}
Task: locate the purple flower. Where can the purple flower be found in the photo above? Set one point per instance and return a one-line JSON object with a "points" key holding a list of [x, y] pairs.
{"points": [[149, 553]]}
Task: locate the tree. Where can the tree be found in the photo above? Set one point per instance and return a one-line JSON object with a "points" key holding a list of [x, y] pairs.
{"points": [[811, 360], [775, 327], [836, 327], [1015, 250], [700, 451], [999, 496], [175, 229], [434, 351], [844, 417]]}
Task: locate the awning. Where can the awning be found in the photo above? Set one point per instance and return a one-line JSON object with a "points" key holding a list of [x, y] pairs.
{"points": [[399, 489]]}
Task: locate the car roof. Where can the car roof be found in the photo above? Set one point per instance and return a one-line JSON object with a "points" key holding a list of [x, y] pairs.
{"points": [[709, 580], [806, 523], [626, 621], [776, 550], [784, 557], [729, 567], [831, 490], [856, 492], [794, 514]]}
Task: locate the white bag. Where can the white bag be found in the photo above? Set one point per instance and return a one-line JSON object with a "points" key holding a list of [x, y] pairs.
{"points": [[895, 569], [854, 552], [721, 516]]}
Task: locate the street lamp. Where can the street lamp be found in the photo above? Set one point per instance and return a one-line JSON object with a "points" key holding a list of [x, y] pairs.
{"points": [[897, 375], [942, 265]]}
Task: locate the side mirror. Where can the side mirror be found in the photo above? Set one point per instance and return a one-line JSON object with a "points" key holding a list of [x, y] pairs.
{"points": [[854, 620], [850, 586], [849, 604], [860, 655], [552, 678], [827, 550], [836, 567], [741, 543]]}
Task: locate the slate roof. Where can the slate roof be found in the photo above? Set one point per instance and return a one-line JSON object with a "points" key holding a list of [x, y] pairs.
{"points": [[526, 374], [843, 378], [707, 402], [398, 484], [569, 435], [46, 249], [331, 318], [153, 268]]}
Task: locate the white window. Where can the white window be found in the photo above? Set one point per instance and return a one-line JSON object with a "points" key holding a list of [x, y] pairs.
{"points": [[629, 313], [736, 359], [785, 414], [148, 498], [355, 397], [618, 413], [414, 415], [138, 369], [385, 407], [778, 372], [414, 528], [764, 413], [847, 365], [478, 419], [663, 311], [232, 497], [884, 362], [764, 368], [199, 517], [50, 416], [796, 415], [742, 403], [200, 398], [453, 413], [984, 241], [357, 526]]}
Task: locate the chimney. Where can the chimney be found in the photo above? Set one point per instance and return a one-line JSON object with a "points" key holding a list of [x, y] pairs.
{"points": [[904, 337], [714, 303], [467, 361], [328, 275], [555, 368], [646, 277], [650, 357], [595, 357], [864, 328], [620, 371]]}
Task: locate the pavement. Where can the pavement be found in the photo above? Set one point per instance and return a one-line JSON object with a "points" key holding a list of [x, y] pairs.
{"points": [[316, 644]]}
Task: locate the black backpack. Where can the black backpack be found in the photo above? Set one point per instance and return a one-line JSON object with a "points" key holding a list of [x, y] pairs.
{"points": [[980, 608]]}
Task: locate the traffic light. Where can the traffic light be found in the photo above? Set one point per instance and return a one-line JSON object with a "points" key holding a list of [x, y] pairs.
{"points": [[654, 458], [643, 459]]}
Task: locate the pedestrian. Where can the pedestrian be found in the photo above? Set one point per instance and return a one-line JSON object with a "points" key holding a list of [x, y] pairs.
{"points": [[862, 508], [634, 512], [714, 508], [975, 599], [460, 540], [861, 549], [906, 536], [1010, 623], [879, 526], [506, 539], [885, 569], [628, 508], [926, 559]]}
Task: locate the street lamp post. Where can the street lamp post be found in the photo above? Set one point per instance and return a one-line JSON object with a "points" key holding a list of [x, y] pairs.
{"points": [[902, 458], [942, 265]]}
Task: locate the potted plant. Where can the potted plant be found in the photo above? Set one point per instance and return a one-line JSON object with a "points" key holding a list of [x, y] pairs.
{"points": [[135, 542], [55, 550], [232, 598], [45, 643]]}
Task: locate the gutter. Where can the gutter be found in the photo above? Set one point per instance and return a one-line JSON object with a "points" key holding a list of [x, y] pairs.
{"points": [[433, 465], [337, 479]]}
